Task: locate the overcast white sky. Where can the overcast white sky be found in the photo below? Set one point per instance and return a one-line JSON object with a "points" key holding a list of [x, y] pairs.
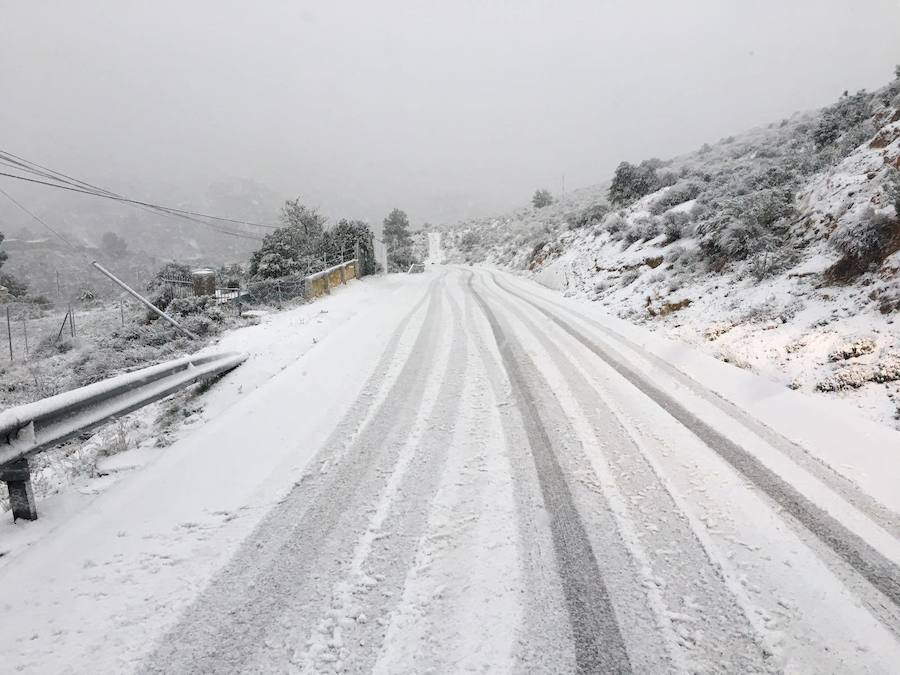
{"points": [[445, 109]]}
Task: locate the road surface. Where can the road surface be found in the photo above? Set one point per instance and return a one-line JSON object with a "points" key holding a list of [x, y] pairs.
{"points": [[515, 487]]}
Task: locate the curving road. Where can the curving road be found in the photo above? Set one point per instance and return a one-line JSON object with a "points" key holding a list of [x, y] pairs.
{"points": [[518, 488]]}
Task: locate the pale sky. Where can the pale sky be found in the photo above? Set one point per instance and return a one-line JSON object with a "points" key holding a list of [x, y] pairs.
{"points": [[444, 109]]}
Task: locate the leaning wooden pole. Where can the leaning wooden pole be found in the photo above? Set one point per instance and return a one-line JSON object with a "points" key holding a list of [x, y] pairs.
{"points": [[149, 305]]}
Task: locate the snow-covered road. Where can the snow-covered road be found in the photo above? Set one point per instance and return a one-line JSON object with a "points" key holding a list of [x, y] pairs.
{"points": [[472, 474]]}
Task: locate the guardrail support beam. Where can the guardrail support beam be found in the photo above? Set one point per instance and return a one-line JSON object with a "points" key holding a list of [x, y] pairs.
{"points": [[17, 476]]}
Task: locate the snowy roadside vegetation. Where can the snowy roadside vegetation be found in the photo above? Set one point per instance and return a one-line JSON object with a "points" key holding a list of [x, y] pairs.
{"points": [[116, 335], [777, 250], [103, 348]]}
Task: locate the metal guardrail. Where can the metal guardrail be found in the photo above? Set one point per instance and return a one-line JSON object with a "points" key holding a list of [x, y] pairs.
{"points": [[30, 428]]}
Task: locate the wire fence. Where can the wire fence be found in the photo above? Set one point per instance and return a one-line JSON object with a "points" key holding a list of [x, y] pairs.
{"points": [[32, 327]]}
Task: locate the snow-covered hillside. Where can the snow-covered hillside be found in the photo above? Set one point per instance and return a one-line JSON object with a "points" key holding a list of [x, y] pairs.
{"points": [[776, 250]]}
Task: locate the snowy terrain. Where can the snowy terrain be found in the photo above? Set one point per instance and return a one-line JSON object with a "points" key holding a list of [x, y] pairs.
{"points": [[686, 259], [462, 471]]}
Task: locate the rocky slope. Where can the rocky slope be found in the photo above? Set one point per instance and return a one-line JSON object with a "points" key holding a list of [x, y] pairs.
{"points": [[777, 250]]}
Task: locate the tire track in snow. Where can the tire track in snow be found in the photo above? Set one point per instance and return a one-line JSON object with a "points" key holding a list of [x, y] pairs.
{"points": [[880, 572], [544, 642], [698, 614], [384, 550], [599, 646], [845, 487], [461, 606], [229, 622]]}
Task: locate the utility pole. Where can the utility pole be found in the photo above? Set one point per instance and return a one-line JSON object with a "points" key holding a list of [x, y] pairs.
{"points": [[564, 185], [149, 305]]}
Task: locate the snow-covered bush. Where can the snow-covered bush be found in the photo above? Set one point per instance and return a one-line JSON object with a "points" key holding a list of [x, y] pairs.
{"points": [[614, 223], [541, 199], [591, 215], [631, 182], [739, 226], [643, 228], [629, 277], [866, 238], [849, 113], [677, 194], [853, 349], [469, 241], [892, 190], [855, 376], [676, 225]]}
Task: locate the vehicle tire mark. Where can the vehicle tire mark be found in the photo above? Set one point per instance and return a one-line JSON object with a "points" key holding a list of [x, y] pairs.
{"points": [[881, 572], [227, 623], [599, 647]]}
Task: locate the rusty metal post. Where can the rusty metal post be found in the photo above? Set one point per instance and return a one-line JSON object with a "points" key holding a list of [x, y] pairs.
{"points": [[17, 476], [25, 331], [9, 334]]}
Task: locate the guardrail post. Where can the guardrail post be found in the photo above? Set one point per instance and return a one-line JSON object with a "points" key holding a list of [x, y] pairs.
{"points": [[17, 476]]}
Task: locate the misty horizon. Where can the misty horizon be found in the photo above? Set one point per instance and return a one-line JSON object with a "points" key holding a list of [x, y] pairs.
{"points": [[446, 112]]}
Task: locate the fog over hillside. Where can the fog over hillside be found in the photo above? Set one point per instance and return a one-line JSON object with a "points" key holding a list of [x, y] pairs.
{"points": [[448, 111]]}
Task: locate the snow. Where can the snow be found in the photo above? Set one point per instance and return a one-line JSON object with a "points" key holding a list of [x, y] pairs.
{"points": [[729, 518], [778, 320], [704, 570], [219, 478], [832, 430], [435, 252]]}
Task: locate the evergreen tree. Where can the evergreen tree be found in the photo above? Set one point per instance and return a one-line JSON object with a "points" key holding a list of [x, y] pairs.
{"points": [[294, 248], [541, 199], [395, 231]]}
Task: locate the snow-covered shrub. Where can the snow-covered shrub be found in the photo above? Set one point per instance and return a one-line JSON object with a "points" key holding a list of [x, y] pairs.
{"points": [[853, 349], [631, 182], [629, 277], [769, 261], [739, 226], [541, 199], [892, 190], [773, 176], [676, 225], [677, 194], [865, 239], [614, 223], [602, 286], [201, 304], [854, 377], [849, 113], [591, 215], [644, 228], [468, 241]]}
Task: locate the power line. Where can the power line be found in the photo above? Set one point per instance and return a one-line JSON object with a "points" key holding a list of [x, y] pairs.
{"points": [[172, 212], [52, 174], [40, 220]]}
